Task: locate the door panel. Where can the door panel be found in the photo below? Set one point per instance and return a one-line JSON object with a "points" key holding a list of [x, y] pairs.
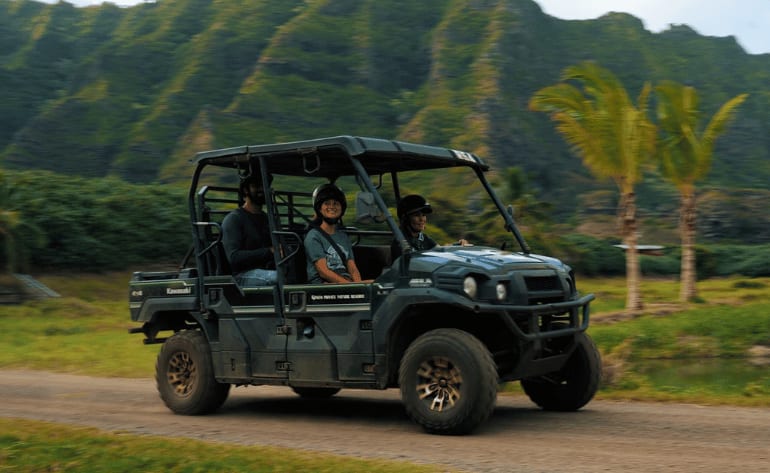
{"points": [[331, 337], [253, 334]]}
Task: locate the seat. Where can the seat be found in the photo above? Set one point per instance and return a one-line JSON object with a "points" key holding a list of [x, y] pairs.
{"points": [[213, 255], [372, 259], [296, 266]]}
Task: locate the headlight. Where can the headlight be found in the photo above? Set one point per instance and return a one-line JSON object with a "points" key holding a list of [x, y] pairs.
{"points": [[501, 292], [470, 287]]}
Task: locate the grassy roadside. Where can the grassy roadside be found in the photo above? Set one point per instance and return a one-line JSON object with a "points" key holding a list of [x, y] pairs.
{"points": [[31, 446], [85, 331], [725, 332]]}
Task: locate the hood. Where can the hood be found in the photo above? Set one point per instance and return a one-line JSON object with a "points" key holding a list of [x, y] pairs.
{"points": [[481, 258]]}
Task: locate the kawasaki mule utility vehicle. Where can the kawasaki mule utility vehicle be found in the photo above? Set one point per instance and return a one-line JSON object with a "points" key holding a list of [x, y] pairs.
{"points": [[445, 326]]}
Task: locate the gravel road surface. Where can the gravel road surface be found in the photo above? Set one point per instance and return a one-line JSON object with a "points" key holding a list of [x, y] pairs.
{"points": [[604, 436]]}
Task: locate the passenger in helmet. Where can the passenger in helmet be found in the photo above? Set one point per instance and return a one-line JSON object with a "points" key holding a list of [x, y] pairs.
{"points": [[328, 248], [413, 213], [246, 237]]}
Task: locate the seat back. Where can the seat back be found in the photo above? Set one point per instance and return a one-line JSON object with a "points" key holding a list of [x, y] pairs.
{"points": [[213, 204], [296, 266], [371, 260]]}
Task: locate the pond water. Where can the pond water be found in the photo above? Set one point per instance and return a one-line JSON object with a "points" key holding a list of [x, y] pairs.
{"points": [[716, 375]]}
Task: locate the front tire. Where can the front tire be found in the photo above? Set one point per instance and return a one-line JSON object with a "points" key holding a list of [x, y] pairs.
{"points": [[184, 374], [448, 382], [574, 385]]}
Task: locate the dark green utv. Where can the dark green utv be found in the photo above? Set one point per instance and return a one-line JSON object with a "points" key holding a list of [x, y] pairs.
{"points": [[445, 325]]}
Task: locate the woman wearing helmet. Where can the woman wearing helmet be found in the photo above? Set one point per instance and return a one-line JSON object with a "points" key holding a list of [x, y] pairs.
{"points": [[328, 248], [413, 213]]}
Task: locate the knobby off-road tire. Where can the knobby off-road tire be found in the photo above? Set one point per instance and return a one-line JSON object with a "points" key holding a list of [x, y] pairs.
{"points": [[574, 385], [184, 374], [315, 393], [448, 382]]}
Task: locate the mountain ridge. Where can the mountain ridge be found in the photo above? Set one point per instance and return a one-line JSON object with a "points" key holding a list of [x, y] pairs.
{"points": [[133, 92]]}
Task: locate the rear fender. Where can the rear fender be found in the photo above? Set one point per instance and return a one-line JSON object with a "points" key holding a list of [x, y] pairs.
{"points": [[174, 321]]}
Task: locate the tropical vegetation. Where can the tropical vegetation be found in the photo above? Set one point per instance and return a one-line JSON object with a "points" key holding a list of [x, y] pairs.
{"points": [[76, 223], [614, 138], [617, 140], [685, 158]]}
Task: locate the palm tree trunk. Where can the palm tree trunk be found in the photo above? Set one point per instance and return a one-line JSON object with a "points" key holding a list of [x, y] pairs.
{"points": [[629, 235], [687, 229]]}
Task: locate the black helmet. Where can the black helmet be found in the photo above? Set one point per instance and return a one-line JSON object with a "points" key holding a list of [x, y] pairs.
{"points": [[411, 204], [325, 192]]}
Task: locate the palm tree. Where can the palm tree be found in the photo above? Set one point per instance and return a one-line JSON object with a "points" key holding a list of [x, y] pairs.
{"points": [[686, 158], [614, 139]]}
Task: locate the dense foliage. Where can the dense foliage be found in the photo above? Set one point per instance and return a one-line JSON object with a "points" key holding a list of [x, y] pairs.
{"points": [[591, 256], [74, 223], [98, 224]]}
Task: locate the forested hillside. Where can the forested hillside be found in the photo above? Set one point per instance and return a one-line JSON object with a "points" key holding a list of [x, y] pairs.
{"points": [[134, 92]]}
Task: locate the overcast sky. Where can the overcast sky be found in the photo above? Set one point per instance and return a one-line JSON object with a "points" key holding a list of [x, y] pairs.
{"points": [[747, 20]]}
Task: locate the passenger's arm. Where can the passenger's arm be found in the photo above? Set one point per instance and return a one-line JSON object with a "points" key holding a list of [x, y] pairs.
{"points": [[327, 274], [353, 270]]}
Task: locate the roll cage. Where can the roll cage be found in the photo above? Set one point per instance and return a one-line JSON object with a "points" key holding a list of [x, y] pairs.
{"points": [[328, 158]]}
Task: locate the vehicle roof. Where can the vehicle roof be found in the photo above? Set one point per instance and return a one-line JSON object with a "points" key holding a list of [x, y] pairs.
{"points": [[328, 157]]}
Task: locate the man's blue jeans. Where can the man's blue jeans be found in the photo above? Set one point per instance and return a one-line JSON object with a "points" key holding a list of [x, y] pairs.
{"points": [[257, 277]]}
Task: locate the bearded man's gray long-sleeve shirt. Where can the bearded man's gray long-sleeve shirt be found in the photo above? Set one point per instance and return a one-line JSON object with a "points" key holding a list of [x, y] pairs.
{"points": [[246, 239]]}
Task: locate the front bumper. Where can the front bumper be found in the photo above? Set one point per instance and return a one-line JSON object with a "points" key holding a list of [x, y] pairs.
{"points": [[577, 317]]}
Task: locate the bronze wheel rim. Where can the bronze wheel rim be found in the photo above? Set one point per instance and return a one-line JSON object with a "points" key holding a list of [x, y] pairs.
{"points": [[182, 374], [438, 383]]}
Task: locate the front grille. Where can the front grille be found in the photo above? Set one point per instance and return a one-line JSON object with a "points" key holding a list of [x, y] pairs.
{"points": [[542, 283], [544, 289]]}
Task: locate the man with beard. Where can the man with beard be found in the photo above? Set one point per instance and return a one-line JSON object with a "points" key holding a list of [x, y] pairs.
{"points": [[246, 237]]}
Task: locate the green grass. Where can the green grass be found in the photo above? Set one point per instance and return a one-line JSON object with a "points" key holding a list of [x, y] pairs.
{"points": [[85, 331], [611, 292], [32, 446], [703, 337], [731, 316], [703, 332]]}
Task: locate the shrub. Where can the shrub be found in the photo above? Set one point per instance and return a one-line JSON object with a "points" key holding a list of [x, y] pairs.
{"points": [[591, 256], [94, 224], [748, 260], [660, 265]]}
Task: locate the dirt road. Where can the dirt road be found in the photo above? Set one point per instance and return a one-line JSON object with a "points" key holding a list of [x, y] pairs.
{"points": [[605, 436]]}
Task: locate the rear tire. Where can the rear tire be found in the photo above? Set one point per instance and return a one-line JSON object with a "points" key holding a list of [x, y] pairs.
{"points": [[448, 382], [184, 374], [574, 385], [315, 393]]}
